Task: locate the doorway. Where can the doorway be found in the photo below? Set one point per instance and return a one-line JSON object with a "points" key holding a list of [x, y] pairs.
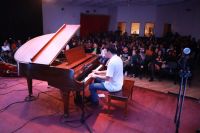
{"points": [[149, 29], [122, 27], [135, 28]]}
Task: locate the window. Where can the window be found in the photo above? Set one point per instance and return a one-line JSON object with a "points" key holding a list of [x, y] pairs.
{"points": [[149, 29], [122, 27], [135, 28]]}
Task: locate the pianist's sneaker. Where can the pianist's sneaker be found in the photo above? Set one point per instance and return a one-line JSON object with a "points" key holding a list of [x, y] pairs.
{"points": [[89, 102]]}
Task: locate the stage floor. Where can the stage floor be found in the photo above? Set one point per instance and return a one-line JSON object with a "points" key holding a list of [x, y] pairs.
{"points": [[168, 86], [148, 112]]}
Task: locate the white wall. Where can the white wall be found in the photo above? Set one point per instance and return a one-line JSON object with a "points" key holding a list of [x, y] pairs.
{"points": [[184, 17], [56, 14], [183, 21], [112, 12], [140, 14]]}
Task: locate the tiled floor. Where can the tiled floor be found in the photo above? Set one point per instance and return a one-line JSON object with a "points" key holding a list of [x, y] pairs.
{"points": [[168, 86]]}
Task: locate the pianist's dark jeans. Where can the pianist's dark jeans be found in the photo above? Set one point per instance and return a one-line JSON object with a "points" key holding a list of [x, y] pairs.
{"points": [[97, 85]]}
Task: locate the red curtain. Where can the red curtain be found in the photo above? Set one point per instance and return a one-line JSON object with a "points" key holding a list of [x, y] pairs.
{"points": [[91, 23]]}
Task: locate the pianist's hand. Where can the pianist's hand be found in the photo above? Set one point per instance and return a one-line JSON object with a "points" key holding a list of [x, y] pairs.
{"points": [[95, 71], [92, 75]]}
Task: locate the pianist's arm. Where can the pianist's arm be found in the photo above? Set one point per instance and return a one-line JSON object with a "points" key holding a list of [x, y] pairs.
{"points": [[100, 74]]}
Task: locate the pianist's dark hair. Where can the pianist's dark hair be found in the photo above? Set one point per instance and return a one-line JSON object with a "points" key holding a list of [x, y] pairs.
{"points": [[112, 49]]}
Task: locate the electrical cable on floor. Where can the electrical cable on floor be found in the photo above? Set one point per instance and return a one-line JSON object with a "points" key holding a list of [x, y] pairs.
{"points": [[7, 87], [37, 117], [37, 84], [4, 79], [66, 121], [44, 92], [50, 95], [54, 96], [3, 109], [12, 91], [71, 121]]}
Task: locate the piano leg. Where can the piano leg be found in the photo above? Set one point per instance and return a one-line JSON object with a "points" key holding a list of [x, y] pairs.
{"points": [[29, 81], [65, 97], [30, 97], [78, 99]]}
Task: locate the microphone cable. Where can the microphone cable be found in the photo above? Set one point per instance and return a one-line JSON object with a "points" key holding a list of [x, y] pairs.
{"points": [[37, 117], [12, 91], [34, 118], [5, 108]]}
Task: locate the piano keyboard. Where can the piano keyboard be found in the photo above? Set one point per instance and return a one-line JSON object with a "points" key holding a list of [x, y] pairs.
{"points": [[88, 77]]}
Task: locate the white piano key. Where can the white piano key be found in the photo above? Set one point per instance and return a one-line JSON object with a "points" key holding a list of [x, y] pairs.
{"points": [[88, 77]]}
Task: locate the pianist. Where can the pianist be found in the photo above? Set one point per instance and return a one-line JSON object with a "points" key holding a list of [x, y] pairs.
{"points": [[108, 80]]}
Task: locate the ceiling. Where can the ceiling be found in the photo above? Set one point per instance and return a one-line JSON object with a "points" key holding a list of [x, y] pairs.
{"points": [[103, 3]]}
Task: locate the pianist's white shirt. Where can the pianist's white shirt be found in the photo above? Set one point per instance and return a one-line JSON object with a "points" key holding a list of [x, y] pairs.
{"points": [[115, 72]]}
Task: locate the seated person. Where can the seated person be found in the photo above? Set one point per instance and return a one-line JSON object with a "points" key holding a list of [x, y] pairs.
{"points": [[125, 56], [136, 64], [5, 47], [6, 51], [103, 59], [95, 49], [155, 65], [108, 80]]}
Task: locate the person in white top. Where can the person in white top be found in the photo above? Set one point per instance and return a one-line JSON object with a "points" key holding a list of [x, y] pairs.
{"points": [[108, 80], [67, 47], [103, 58], [6, 46]]}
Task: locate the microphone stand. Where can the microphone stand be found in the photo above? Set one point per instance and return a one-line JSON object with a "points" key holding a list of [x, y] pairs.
{"points": [[184, 74], [79, 100], [83, 117]]}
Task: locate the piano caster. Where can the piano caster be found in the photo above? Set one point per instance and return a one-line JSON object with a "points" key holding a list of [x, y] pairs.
{"points": [[30, 98]]}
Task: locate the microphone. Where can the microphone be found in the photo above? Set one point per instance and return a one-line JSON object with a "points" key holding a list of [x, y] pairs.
{"points": [[184, 62], [186, 51]]}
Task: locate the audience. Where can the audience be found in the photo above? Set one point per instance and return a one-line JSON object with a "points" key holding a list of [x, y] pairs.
{"points": [[8, 50], [142, 56]]}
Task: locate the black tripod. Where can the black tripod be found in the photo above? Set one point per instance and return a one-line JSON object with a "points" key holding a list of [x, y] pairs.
{"points": [[83, 117], [80, 99], [184, 74]]}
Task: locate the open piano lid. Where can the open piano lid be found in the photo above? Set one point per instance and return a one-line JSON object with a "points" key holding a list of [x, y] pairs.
{"points": [[44, 49]]}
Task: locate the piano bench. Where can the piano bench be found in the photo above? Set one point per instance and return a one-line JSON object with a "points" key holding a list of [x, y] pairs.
{"points": [[124, 95]]}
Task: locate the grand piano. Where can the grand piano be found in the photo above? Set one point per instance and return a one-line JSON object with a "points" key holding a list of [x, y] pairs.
{"points": [[37, 59]]}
